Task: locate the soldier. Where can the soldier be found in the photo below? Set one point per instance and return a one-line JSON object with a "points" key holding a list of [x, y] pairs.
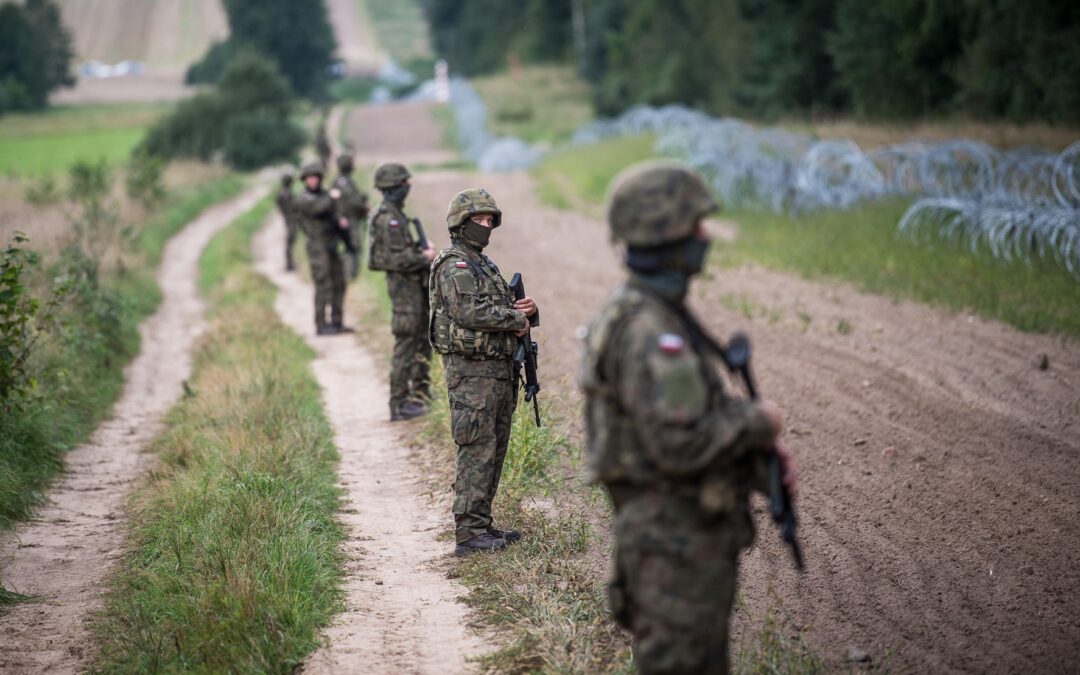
{"points": [[353, 207], [285, 205], [322, 144], [677, 455], [405, 255], [474, 324], [317, 211]]}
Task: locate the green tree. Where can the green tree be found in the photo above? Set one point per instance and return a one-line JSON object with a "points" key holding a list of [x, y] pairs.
{"points": [[35, 54], [296, 34]]}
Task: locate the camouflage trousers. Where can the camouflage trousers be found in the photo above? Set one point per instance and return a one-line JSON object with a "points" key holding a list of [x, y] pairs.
{"points": [[352, 258], [328, 276], [674, 580], [291, 230], [481, 412], [410, 364]]}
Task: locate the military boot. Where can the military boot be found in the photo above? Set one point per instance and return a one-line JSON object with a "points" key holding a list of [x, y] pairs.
{"points": [[481, 542], [510, 536], [327, 329], [407, 411]]}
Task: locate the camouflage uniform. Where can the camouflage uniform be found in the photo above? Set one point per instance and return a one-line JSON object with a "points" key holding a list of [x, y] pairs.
{"points": [[322, 145], [318, 219], [353, 206], [676, 454], [284, 200], [472, 325], [395, 248]]}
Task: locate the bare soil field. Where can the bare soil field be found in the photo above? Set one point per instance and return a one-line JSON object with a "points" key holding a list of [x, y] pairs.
{"points": [[940, 464], [63, 556]]}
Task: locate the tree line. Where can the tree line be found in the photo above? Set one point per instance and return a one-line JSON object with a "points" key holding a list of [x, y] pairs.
{"points": [[35, 54], [888, 59]]}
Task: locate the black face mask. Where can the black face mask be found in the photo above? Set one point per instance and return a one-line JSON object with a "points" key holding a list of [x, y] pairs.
{"points": [[397, 194], [475, 234], [685, 257]]}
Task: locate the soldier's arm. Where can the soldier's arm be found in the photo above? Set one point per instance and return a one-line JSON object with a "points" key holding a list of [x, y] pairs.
{"points": [[663, 386], [313, 205], [467, 308]]}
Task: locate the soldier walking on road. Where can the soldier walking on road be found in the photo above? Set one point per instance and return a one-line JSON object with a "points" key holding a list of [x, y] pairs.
{"points": [[677, 455], [322, 144], [324, 231], [353, 207], [474, 324], [398, 247], [285, 202]]}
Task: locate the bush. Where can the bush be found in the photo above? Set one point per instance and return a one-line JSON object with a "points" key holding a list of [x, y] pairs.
{"points": [[261, 138], [145, 180]]}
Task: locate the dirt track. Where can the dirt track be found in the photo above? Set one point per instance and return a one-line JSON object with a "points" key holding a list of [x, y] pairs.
{"points": [[940, 466], [63, 556]]}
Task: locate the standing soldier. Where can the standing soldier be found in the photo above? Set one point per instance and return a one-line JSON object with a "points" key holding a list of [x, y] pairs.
{"points": [[318, 213], [475, 323], [405, 255], [285, 199], [353, 207], [322, 144], [677, 455]]}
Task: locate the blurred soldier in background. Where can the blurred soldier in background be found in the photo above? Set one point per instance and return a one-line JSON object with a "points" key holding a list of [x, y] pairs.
{"points": [[284, 200], [317, 210], [677, 455], [474, 324], [352, 206], [399, 247], [322, 144]]}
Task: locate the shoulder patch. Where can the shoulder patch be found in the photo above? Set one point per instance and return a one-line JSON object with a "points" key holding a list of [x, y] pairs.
{"points": [[461, 263], [670, 343], [394, 223]]}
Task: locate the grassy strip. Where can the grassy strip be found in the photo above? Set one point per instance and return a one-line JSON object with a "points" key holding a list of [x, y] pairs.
{"points": [[860, 245], [540, 103], [80, 365], [401, 29], [234, 562]]}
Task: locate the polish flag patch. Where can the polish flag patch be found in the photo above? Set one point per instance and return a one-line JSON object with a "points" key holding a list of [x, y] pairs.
{"points": [[394, 223], [670, 343], [461, 264]]}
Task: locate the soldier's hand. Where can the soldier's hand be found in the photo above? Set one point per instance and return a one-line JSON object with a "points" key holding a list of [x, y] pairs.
{"points": [[526, 305], [429, 253], [343, 223], [335, 193], [789, 474]]}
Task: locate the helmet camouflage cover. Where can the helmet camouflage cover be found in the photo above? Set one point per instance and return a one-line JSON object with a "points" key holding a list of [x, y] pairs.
{"points": [[391, 175], [311, 169], [654, 203], [469, 203], [287, 178], [345, 162]]}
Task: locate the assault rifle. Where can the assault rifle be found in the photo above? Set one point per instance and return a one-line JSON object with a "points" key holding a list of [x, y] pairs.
{"points": [[527, 351], [421, 238], [737, 358]]}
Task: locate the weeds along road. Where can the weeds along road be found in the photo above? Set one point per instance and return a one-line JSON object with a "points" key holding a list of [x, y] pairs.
{"points": [[940, 466], [64, 555], [402, 613]]}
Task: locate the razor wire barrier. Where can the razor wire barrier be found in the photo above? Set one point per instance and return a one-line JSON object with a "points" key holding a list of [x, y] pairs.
{"points": [[1020, 204]]}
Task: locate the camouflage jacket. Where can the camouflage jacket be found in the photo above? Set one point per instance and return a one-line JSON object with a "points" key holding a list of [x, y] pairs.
{"points": [[285, 202], [656, 410], [393, 246], [472, 318], [353, 203], [317, 216]]}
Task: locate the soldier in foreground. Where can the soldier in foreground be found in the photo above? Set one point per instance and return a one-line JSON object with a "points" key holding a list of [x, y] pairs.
{"points": [[398, 247], [677, 455], [284, 200], [317, 210], [474, 324], [352, 205]]}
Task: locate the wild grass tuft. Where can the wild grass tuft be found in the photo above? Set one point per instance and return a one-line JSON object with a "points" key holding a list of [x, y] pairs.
{"points": [[233, 562]]}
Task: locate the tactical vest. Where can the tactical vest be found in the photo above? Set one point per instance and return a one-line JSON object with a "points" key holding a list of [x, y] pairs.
{"points": [[387, 239], [446, 336]]}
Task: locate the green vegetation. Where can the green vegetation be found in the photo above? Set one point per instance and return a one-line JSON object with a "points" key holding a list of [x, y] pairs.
{"points": [[578, 178], [541, 104], [78, 359], [234, 562], [248, 118], [35, 54], [295, 36], [401, 31], [48, 142]]}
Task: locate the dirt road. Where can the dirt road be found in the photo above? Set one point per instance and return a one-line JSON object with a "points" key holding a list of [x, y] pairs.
{"points": [[402, 612], [940, 465], [63, 556]]}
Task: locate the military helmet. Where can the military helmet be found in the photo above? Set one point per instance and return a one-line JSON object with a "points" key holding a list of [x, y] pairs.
{"points": [[345, 162], [654, 203], [391, 175], [469, 203], [311, 169], [286, 179]]}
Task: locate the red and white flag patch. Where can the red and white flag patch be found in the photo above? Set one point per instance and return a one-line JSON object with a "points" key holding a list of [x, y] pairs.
{"points": [[670, 343], [461, 264], [394, 223]]}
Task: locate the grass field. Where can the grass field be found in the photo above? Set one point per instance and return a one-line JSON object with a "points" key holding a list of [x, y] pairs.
{"points": [[234, 563], [401, 29], [48, 142], [541, 104], [578, 178]]}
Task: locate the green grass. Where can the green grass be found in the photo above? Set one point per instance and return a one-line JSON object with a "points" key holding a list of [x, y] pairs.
{"points": [[234, 563], [541, 104], [578, 177], [48, 142], [402, 29]]}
